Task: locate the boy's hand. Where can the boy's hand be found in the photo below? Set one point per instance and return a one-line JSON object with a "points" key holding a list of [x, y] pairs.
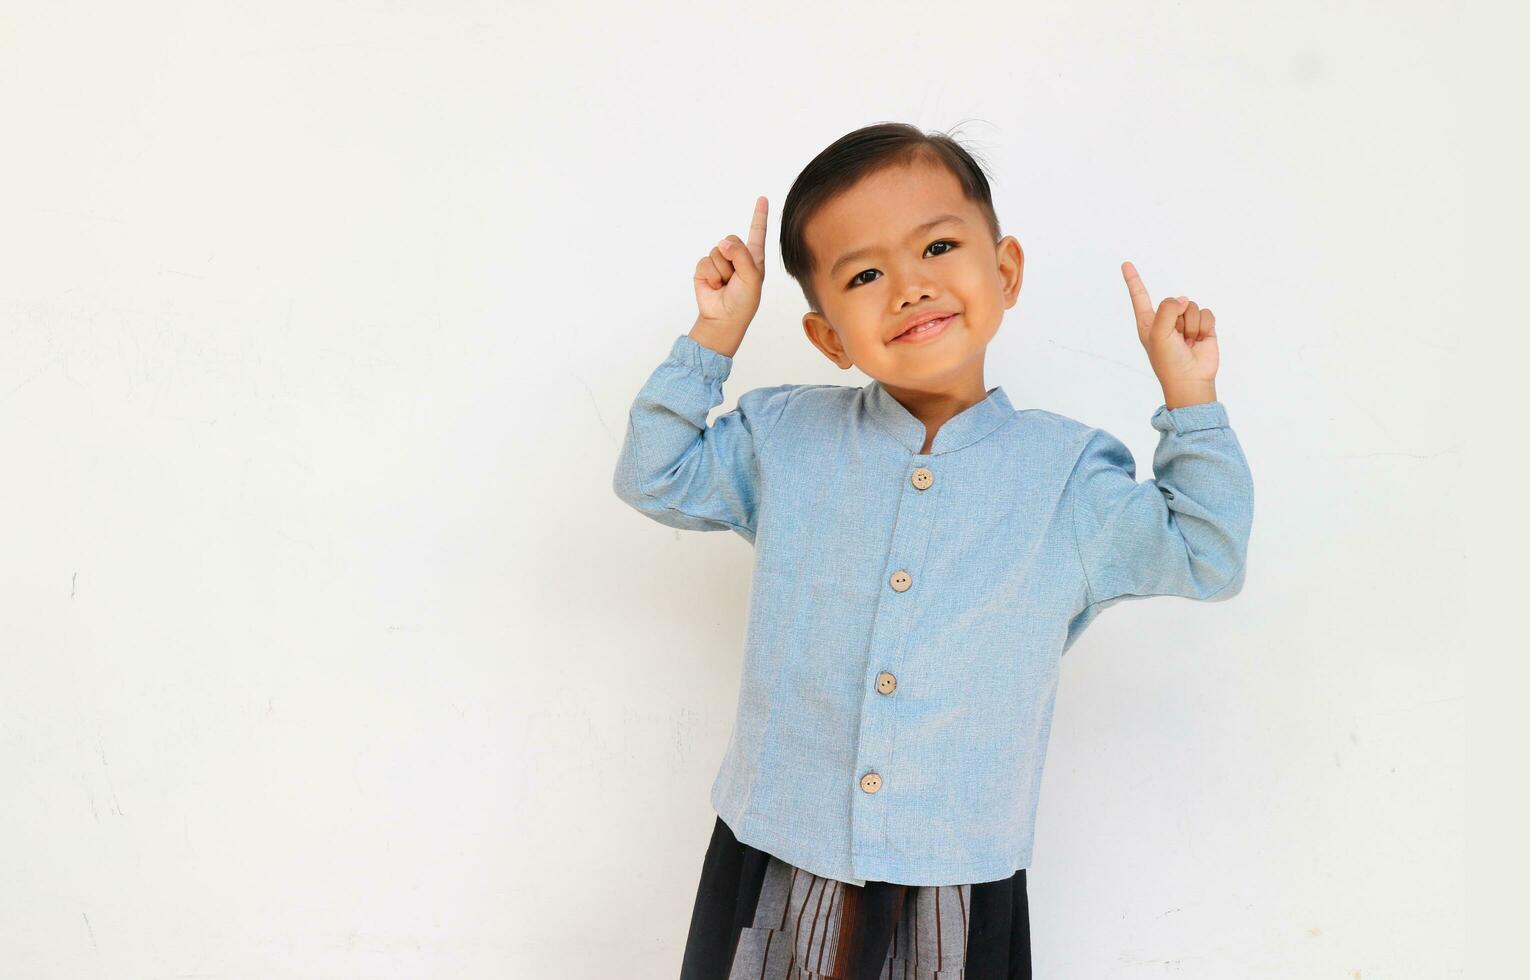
{"points": [[1181, 342], [728, 283]]}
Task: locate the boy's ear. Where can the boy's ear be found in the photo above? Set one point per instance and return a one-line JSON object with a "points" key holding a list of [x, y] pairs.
{"points": [[822, 336], [1011, 268]]}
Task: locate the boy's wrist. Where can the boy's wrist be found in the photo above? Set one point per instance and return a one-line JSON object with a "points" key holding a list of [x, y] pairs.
{"points": [[723, 340], [1181, 396]]}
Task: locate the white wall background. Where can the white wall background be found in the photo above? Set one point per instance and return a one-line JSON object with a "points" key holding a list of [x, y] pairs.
{"points": [[327, 649]]}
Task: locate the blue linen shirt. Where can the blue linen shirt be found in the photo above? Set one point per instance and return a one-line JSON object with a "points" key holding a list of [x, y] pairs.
{"points": [[909, 610]]}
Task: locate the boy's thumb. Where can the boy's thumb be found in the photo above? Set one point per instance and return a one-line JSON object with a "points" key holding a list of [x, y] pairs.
{"points": [[743, 260]]}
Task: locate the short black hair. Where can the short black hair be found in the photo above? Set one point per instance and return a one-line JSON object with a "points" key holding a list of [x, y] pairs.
{"points": [[857, 155]]}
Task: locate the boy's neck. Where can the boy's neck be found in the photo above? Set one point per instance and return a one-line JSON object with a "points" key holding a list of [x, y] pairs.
{"points": [[937, 407]]}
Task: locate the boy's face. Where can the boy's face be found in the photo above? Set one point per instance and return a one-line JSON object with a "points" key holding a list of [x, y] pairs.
{"points": [[868, 300]]}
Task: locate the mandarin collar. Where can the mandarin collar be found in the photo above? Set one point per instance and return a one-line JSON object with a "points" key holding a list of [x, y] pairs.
{"points": [[962, 430]]}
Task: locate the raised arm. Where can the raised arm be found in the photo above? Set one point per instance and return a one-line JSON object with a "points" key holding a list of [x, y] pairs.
{"points": [[1185, 532], [682, 472]]}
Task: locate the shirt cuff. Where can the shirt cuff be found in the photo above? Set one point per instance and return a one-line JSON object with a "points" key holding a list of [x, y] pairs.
{"points": [[701, 358], [1189, 418]]}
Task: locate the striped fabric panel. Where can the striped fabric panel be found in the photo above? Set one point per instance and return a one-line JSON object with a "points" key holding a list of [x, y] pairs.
{"points": [[804, 930]]}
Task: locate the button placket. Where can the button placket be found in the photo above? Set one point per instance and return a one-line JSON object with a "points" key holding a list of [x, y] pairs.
{"points": [[890, 624]]}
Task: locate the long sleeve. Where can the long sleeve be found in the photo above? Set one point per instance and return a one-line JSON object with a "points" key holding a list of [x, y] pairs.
{"points": [[682, 472], [1184, 533]]}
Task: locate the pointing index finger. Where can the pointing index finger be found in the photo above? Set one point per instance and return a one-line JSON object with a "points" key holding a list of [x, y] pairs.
{"points": [[1142, 304], [757, 229]]}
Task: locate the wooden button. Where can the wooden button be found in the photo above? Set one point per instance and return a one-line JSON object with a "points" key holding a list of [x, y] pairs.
{"points": [[871, 782], [923, 478], [901, 581], [886, 683]]}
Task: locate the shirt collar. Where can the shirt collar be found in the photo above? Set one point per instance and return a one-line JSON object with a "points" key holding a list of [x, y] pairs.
{"points": [[968, 426]]}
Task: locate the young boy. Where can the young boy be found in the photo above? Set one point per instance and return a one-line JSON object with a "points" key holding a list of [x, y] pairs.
{"points": [[924, 554]]}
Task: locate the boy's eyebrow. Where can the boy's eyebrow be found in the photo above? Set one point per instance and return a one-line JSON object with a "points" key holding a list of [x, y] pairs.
{"points": [[921, 229]]}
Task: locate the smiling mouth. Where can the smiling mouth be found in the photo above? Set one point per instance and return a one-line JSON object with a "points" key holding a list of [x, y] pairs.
{"points": [[927, 329]]}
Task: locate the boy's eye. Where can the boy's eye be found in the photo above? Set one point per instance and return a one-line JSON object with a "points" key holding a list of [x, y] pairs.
{"points": [[856, 280]]}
